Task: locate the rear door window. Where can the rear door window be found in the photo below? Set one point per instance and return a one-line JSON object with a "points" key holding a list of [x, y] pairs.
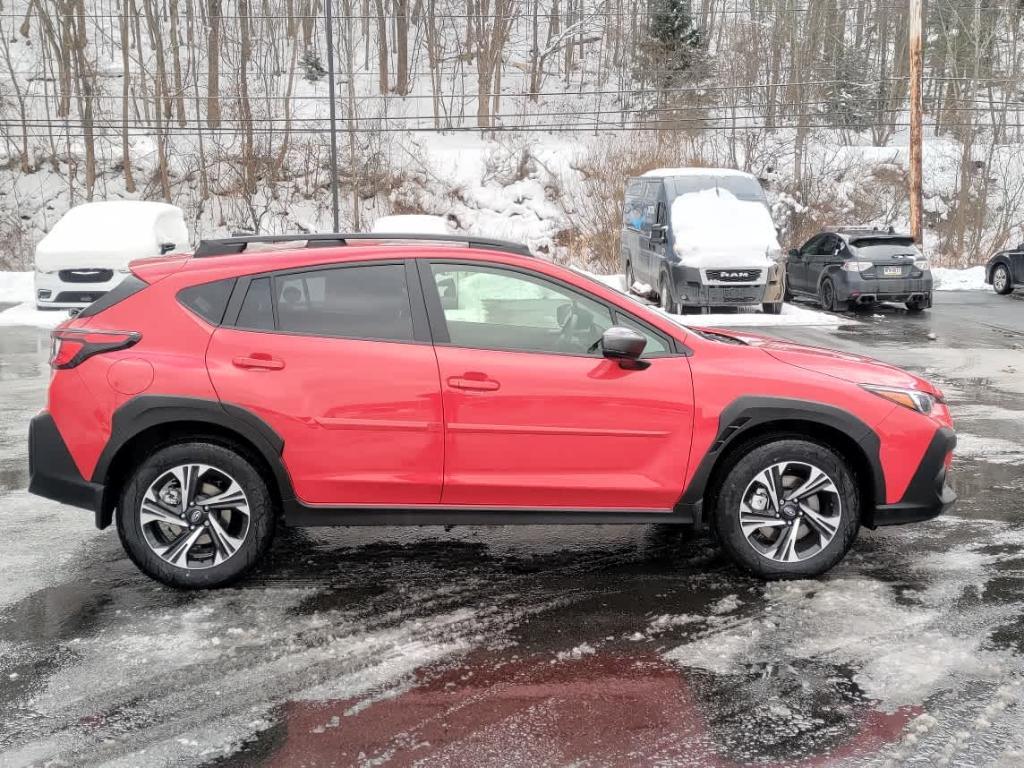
{"points": [[368, 301]]}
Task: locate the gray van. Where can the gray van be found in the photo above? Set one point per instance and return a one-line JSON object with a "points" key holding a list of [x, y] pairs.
{"points": [[715, 248]]}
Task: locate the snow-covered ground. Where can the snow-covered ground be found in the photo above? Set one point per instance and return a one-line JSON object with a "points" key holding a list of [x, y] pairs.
{"points": [[970, 279]]}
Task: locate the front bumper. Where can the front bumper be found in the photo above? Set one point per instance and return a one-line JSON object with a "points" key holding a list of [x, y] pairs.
{"points": [[51, 292], [51, 470], [928, 494], [692, 289]]}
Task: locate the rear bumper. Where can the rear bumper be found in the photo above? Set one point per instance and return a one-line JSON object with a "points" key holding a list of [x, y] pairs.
{"points": [[929, 494], [51, 470], [856, 288]]}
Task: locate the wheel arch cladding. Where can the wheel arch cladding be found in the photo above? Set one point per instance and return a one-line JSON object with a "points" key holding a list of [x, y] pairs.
{"points": [[751, 421], [149, 421]]}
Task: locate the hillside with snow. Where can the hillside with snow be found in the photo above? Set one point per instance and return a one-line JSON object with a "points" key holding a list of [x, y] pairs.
{"points": [[514, 120]]}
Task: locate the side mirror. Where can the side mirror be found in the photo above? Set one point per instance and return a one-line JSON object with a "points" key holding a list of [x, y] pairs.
{"points": [[794, 253], [624, 345]]}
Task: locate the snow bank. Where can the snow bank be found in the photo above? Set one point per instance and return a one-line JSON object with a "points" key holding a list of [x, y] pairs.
{"points": [[746, 317], [970, 279], [713, 228], [753, 317], [420, 224], [15, 287], [27, 314]]}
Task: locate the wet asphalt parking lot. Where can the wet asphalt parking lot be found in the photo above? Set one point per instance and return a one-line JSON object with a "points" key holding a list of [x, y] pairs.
{"points": [[579, 645]]}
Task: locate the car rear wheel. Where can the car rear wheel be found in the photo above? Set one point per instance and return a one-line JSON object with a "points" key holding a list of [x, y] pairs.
{"points": [[827, 295], [195, 515], [1001, 282], [918, 305], [788, 509]]}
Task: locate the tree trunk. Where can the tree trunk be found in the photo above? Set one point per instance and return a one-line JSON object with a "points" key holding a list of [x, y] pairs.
{"points": [[214, 11]]}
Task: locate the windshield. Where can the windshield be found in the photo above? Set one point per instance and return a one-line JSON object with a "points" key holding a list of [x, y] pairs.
{"points": [[741, 187]]}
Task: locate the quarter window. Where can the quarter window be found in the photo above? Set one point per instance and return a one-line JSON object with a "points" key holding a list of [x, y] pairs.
{"points": [[490, 308], [257, 312]]}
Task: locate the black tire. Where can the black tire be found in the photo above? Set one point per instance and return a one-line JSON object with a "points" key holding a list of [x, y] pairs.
{"points": [[827, 295], [918, 305], [665, 298], [772, 308], [257, 537], [741, 478], [787, 294], [1001, 276]]}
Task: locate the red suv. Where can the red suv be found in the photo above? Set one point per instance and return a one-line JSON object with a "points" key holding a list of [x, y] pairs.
{"points": [[394, 380]]}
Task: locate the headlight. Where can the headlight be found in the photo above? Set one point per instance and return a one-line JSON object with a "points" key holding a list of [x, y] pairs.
{"points": [[857, 266], [922, 264], [914, 399]]}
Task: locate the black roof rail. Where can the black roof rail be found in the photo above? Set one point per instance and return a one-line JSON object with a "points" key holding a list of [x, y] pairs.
{"points": [[240, 243]]}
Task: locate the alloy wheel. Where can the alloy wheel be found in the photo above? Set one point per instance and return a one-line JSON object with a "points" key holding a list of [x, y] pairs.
{"points": [[195, 516], [790, 511], [1000, 279]]}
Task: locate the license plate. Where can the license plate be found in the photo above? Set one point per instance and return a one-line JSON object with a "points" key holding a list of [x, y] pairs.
{"points": [[891, 271]]}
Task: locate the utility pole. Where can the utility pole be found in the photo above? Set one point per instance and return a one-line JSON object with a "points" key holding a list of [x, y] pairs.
{"points": [[916, 106], [328, 10]]}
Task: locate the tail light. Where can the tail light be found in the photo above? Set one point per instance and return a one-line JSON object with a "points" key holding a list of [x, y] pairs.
{"points": [[73, 346]]}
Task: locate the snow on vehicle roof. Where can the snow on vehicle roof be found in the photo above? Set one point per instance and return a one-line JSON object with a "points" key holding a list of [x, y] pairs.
{"points": [[411, 224], [112, 231], [714, 228], [668, 172]]}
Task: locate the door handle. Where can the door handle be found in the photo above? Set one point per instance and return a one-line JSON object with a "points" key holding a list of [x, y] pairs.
{"points": [[479, 385], [258, 361]]}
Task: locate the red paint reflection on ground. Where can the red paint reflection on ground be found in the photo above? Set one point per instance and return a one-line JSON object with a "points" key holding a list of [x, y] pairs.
{"points": [[601, 709]]}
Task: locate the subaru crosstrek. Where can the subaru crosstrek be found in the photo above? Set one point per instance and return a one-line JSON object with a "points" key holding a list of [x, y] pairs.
{"points": [[421, 382]]}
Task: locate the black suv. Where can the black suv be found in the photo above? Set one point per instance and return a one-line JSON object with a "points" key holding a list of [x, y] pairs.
{"points": [[1005, 270], [859, 266]]}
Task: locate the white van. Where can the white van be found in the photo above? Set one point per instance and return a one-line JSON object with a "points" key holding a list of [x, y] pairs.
{"points": [[87, 252]]}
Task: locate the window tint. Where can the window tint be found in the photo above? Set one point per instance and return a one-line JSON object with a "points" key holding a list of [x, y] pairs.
{"points": [[208, 300], [363, 302], [491, 308], [657, 346], [257, 312]]}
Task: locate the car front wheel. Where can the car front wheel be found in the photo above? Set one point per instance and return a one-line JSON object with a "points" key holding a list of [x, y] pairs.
{"points": [[195, 515], [1001, 282], [787, 509], [665, 298]]}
